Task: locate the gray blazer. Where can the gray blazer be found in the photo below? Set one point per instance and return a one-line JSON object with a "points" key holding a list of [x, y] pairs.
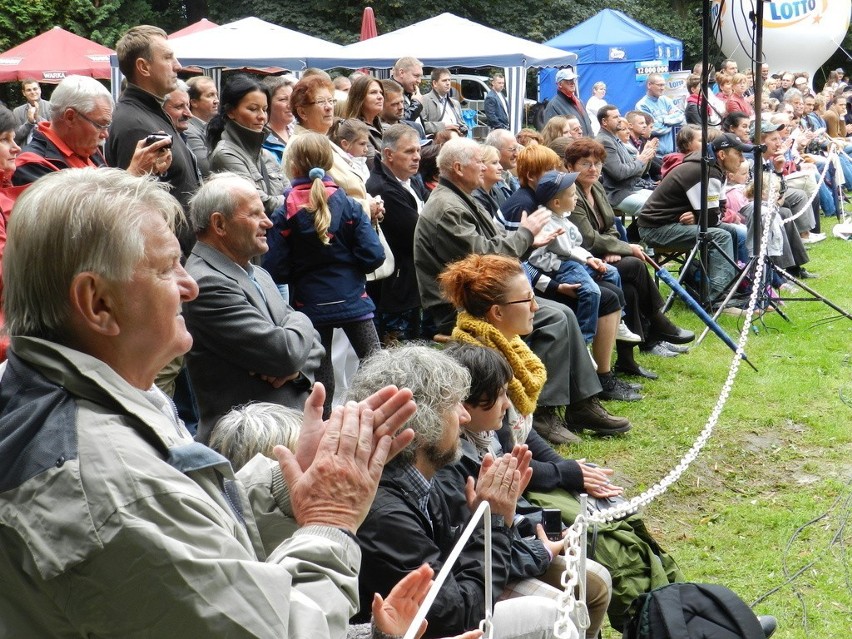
{"points": [[238, 336], [433, 110], [622, 172]]}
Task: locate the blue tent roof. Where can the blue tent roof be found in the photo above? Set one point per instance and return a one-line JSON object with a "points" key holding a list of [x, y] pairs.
{"points": [[611, 36]]}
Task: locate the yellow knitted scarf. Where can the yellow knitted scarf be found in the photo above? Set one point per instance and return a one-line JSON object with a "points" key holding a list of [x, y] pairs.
{"points": [[528, 369]]}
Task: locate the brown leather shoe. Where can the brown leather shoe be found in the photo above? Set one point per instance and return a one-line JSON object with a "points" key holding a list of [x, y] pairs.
{"points": [[588, 414], [551, 427]]}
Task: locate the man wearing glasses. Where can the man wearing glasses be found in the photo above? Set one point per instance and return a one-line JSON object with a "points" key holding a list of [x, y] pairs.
{"points": [[668, 117], [566, 102], [80, 117]]}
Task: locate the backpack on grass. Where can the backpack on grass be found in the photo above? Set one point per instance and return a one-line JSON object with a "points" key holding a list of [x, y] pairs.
{"points": [[691, 611]]}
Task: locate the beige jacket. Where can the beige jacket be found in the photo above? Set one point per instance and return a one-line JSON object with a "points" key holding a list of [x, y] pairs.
{"points": [[114, 523]]}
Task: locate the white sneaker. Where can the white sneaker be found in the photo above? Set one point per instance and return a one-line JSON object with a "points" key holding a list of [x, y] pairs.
{"points": [[626, 335], [813, 238]]}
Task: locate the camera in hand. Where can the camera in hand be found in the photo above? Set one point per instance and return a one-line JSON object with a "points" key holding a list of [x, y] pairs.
{"points": [[156, 137], [551, 521]]}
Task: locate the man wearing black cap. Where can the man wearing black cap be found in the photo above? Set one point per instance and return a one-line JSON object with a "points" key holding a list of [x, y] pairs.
{"points": [[670, 215]]}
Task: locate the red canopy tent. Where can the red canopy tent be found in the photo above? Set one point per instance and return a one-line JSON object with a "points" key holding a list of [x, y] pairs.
{"points": [[195, 27], [51, 56]]}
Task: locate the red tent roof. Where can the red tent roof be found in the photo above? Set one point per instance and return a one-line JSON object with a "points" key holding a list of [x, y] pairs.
{"points": [[51, 56], [195, 27]]}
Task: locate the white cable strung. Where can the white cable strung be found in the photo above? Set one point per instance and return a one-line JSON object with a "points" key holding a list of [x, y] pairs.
{"points": [[568, 602]]}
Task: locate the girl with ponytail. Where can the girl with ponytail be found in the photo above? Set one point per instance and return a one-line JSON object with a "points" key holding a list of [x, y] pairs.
{"points": [[322, 244]]}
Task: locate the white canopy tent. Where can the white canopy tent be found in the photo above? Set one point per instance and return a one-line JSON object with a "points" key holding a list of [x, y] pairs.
{"points": [[249, 42], [447, 40]]}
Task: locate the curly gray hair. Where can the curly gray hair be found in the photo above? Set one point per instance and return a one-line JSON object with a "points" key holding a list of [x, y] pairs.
{"points": [[437, 381]]}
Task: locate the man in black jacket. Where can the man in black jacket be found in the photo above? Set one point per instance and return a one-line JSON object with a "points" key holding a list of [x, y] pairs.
{"points": [[670, 216], [149, 64], [395, 179], [410, 522]]}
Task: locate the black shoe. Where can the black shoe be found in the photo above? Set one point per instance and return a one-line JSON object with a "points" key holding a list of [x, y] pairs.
{"points": [[589, 414], [634, 385], [614, 388], [635, 371], [659, 350], [805, 274], [768, 623]]}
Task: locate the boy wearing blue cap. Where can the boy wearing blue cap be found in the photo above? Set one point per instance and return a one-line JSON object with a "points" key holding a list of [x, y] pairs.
{"points": [[566, 262]]}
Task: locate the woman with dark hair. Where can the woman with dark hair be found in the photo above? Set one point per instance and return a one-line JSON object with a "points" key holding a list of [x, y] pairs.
{"points": [[365, 102], [595, 219], [737, 122], [428, 169], [236, 135], [8, 194], [312, 102]]}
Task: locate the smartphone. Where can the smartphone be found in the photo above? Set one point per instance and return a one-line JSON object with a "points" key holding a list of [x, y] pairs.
{"points": [[551, 521]]}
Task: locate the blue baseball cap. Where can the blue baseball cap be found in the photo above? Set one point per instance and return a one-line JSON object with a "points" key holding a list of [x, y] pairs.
{"points": [[552, 184]]}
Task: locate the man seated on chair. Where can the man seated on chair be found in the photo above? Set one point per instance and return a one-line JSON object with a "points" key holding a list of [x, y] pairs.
{"points": [[670, 216], [622, 172]]}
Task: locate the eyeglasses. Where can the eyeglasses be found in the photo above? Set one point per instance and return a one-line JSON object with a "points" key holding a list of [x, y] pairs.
{"points": [[97, 125], [529, 301], [324, 102], [585, 166]]}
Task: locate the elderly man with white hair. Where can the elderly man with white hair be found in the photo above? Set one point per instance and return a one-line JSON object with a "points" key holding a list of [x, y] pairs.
{"points": [[248, 343], [80, 117], [113, 522]]}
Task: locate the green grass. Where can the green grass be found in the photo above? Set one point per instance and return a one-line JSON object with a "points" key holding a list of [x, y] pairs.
{"points": [[779, 458]]}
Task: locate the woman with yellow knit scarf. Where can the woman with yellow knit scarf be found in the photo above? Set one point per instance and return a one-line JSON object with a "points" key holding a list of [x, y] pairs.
{"points": [[496, 306]]}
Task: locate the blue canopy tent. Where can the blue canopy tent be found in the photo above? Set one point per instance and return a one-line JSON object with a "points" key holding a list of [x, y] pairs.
{"points": [[611, 47]]}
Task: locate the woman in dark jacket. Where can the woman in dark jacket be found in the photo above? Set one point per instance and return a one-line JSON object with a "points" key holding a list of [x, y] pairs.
{"points": [[323, 245], [595, 220]]}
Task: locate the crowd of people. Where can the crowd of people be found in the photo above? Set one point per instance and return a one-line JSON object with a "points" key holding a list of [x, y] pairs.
{"points": [[180, 463]]}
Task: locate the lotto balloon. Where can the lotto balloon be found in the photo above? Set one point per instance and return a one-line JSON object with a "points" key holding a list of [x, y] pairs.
{"points": [[798, 35]]}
